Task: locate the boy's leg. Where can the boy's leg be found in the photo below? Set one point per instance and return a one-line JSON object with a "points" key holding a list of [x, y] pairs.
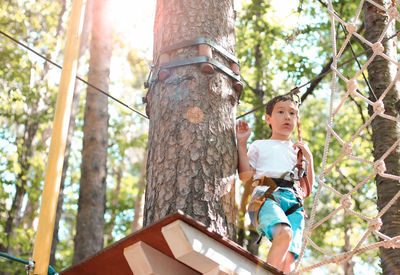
{"points": [[288, 265], [278, 253], [297, 223]]}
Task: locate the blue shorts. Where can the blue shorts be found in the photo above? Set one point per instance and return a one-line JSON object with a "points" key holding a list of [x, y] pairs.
{"points": [[273, 213]]}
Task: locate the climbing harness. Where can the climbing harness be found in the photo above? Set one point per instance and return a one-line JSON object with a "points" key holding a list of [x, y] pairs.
{"points": [[164, 64], [302, 165], [297, 174], [259, 198]]}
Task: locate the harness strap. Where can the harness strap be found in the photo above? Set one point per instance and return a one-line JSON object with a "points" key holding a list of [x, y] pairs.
{"points": [[274, 183], [293, 209], [283, 183], [272, 187], [303, 174], [261, 235]]}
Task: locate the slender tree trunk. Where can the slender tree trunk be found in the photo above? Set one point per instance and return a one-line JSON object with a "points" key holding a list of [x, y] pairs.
{"points": [[381, 74], [25, 152], [139, 204], [71, 128], [250, 240], [15, 214], [257, 64], [348, 266], [192, 153], [109, 229], [33, 200], [259, 127], [92, 193]]}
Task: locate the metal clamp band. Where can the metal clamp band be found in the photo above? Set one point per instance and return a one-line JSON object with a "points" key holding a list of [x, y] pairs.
{"points": [[201, 59], [198, 41]]}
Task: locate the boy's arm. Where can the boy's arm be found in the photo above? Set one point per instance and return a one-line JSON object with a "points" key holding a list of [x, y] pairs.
{"points": [[244, 168], [310, 171], [309, 157]]}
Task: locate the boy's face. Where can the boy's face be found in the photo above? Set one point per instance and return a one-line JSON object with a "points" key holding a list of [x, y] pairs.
{"points": [[283, 119]]}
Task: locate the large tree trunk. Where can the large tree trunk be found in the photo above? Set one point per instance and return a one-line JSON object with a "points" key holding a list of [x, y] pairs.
{"points": [[92, 193], [192, 153], [381, 74], [84, 45]]}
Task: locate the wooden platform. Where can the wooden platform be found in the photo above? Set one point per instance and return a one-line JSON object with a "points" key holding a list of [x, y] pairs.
{"points": [[174, 245]]}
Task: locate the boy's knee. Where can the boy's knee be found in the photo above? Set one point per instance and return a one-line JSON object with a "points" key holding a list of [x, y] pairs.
{"points": [[283, 231]]}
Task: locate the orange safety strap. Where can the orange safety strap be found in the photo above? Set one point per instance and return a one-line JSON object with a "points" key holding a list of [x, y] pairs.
{"points": [[304, 183]]}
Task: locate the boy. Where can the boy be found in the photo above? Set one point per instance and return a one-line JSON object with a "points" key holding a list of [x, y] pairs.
{"points": [[281, 216]]}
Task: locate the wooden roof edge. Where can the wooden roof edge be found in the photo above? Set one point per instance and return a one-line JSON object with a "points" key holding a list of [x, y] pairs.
{"points": [[196, 224], [225, 241]]}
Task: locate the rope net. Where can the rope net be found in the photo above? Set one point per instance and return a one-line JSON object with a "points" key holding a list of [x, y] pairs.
{"points": [[373, 222]]}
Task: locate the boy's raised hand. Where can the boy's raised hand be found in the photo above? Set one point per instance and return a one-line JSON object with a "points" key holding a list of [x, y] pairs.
{"points": [[304, 148], [242, 132]]}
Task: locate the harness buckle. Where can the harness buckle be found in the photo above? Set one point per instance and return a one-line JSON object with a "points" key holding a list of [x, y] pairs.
{"points": [[301, 172]]}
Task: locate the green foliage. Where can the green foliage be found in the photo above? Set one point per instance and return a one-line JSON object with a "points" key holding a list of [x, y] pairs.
{"points": [[25, 112], [29, 91], [256, 38], [291, 57], [275, 57], [125, 160]]}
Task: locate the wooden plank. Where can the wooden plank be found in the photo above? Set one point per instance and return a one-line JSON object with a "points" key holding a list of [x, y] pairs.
{"points": [[112, 258], [204, 254], [145, 260]]}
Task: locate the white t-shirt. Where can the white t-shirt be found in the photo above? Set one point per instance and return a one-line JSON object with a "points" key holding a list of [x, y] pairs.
{"points": [[272, 158]]}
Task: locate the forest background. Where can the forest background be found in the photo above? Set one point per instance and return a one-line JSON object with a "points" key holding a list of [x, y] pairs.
{"points": [[279, 47]]}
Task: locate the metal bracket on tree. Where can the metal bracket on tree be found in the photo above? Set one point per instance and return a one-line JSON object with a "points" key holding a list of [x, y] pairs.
{"points": [[204, 58]]}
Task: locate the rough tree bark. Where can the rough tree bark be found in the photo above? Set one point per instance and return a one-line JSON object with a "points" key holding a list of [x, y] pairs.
{"points": [[381, 74], [92, 193], [192, 153]]}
